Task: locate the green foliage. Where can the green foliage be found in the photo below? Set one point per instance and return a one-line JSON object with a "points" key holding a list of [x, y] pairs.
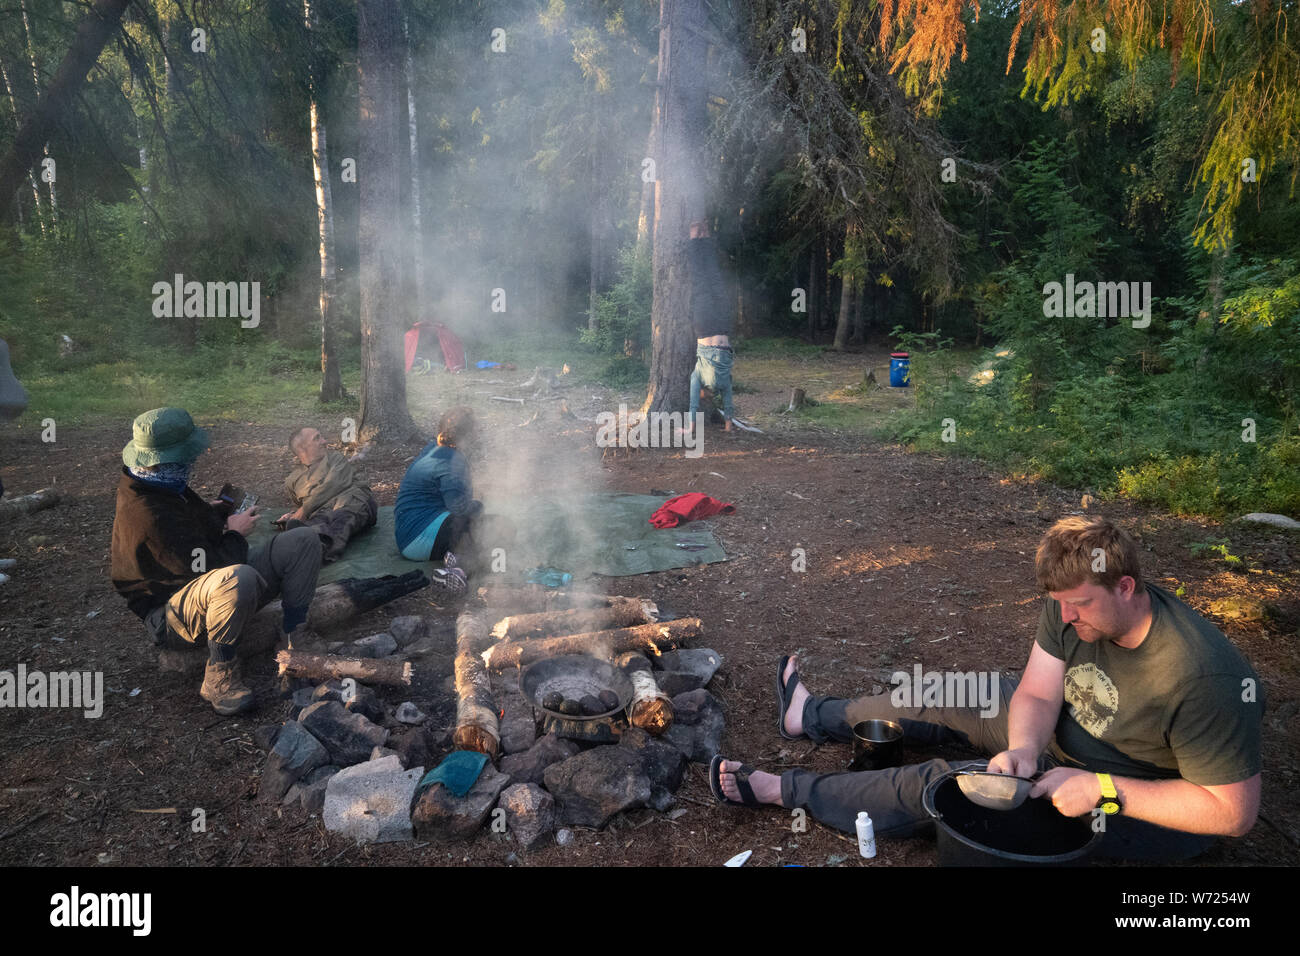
{"points": [[1217, 546], [623, 313]]}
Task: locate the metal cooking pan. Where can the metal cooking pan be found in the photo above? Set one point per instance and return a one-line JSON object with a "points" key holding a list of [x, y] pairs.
{"points": [[575, 676]]}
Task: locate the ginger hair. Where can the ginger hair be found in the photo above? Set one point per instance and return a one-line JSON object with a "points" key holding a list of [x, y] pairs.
{"points": [[1067, 555]]}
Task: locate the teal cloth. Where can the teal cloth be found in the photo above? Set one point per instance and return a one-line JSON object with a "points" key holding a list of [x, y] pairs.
{"points": [[457, 772], [607, 534]]}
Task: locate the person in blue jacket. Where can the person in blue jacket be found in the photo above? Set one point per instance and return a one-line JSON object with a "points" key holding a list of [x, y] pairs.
{"points": [[436, 513]]}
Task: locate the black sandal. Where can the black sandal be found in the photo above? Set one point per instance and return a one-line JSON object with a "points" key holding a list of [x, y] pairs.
{"points": [[785, 691], [747, 798]]}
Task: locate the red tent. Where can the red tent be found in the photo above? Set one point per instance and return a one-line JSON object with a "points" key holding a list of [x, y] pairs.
{"points": [[453, 351]]}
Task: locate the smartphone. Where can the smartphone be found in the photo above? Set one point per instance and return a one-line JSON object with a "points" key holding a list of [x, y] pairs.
{"points": [[248, 502]]}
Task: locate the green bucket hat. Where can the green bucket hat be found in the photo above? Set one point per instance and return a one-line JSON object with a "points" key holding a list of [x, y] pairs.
{"points": [[164, 435]]}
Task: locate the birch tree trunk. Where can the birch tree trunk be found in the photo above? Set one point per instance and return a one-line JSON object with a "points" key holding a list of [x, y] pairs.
{"points": [[679, 199], [36, 190], [36, 88], [384, 414], [417, 234], [331, 383]]}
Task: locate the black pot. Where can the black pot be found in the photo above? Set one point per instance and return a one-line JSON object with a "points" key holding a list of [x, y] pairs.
{"points": [[1033, 834]]}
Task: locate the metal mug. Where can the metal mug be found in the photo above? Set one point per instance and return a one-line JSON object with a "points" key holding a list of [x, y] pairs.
{"points": [[877, 744]]}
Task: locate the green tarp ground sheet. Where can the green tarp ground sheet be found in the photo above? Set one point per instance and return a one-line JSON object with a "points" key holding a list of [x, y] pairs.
{"points": [[603, 534]]}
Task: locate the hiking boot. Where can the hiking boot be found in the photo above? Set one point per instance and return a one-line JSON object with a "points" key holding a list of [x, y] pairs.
{"points": [[303, 638], [225, 690]]}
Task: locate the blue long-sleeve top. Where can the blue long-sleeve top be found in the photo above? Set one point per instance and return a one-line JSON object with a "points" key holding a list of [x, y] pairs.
{"points": [[437, 483]]}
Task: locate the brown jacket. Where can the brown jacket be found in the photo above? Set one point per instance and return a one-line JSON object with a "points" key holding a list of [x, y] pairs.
{"points": [[156, 534], [329, 484]]}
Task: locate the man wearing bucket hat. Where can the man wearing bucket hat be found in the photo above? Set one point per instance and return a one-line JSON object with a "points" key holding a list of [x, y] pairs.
{"points": [[184, 566], [1132, 709]]}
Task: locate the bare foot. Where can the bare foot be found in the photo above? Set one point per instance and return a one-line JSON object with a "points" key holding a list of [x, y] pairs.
{"points": [[766, 786], [794, 713]]}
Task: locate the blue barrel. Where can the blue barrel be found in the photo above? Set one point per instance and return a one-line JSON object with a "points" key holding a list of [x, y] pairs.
{"points": [[899, 363]]}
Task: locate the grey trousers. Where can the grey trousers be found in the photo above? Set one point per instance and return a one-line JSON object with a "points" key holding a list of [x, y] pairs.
{"points": [[894, 797], [217, 605]]}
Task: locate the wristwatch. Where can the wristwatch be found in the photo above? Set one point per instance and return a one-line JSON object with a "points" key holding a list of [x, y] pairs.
{"points": [[1109, 803]]}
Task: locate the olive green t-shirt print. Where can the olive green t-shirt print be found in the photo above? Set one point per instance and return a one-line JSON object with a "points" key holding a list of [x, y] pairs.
{"points": [[1184, 703]]}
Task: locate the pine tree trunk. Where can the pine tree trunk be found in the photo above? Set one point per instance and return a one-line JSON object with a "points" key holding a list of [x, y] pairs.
{"points": [[859, 296], [846, 312], [645, 223], [812, 291], [331, 383], [679, 199], [417, 234], [384, 414]]}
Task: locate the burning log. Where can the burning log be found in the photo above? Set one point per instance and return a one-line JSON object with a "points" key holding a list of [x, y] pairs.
{"points": [[26, 504], [622, 612], [324, 667], [650, 709], [650, 638], [476, 714], [539, 599], [332, 606]]}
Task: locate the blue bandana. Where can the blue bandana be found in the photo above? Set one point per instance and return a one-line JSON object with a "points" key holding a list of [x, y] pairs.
{"points": [[172, 475]]}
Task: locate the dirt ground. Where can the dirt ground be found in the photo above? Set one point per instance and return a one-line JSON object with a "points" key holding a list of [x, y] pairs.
{"points": [[909, 559]]}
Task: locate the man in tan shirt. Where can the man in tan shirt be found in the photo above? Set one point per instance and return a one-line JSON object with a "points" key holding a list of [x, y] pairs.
{"points": [[328, 494]]}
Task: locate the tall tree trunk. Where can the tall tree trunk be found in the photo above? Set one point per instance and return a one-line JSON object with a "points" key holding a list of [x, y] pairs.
{"points": [[331, 382], [384, 415], [812, 289], [417, 234], [679, 199], [846, 300], [92, 33], [645, 223], [36, 190], [859, 297], [598, 222], [36, 90]]}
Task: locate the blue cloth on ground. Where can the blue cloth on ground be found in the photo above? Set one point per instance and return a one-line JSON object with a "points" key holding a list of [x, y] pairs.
{"points": [[457, 772]]}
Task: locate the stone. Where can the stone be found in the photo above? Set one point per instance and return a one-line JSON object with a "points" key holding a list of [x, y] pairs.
{"points": [[408, 629], [530, 814], [529, 766], [302, 700], [518, 726], [371, 802], [364, 700], [1277, 521], [663, 764], [608, 701], [412, 745], [1236, 608], [441, 817], [591, 706], [563, 836], [330, 690], [686, 669], [379, 753], [553, 700], [590, 788], [376, 645], [348, 737], [295, 754], [265, 735], [408, 713], [698, 723], [425, 645], [309, 792]]}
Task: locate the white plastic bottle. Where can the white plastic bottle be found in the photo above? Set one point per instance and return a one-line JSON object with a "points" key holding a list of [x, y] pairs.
{"points": [[866, 835]]}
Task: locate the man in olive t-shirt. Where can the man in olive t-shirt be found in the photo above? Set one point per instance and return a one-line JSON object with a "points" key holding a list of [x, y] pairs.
{"points": [[1170, 707]]}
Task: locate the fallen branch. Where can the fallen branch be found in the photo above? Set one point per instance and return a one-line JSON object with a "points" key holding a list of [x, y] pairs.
{"points": [[26, 504], [622, 612], [326, 667], [499, 398], [332, 606], [649, 638], [476, 714]]}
